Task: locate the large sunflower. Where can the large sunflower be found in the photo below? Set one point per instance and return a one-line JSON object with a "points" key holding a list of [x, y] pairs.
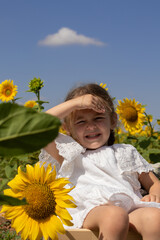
{"points": [[47, 199], [7, 90], [131, 114]]}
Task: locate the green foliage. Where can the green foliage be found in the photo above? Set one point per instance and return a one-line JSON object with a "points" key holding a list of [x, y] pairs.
{"points": [[9, 165], [24, 130], [9, 235]]}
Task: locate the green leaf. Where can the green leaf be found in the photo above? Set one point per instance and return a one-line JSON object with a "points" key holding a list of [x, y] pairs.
{"points": [[144, 143], [3, 182], [24, 130], [8, 200], [8, 171], [41, 102], [131, 137], [154, 155], [15, 99]]}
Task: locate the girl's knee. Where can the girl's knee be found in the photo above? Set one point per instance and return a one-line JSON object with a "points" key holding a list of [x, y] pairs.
{"points": [[111, 221], [107, 218], [153, 221], [146, 221], [116, 219], [114, 224], [118, 214]]}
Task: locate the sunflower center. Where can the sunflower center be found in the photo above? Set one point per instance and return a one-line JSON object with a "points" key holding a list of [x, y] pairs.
{"points": [[8, 92], [130, 114], [41, 203]]}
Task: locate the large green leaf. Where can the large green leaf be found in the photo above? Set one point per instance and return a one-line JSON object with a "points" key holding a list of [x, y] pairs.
{"points": [[24, 130], [144, 142]]}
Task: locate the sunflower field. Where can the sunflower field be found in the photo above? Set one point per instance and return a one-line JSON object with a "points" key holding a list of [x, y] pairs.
{"points": [[135, 127], [22, 131]]}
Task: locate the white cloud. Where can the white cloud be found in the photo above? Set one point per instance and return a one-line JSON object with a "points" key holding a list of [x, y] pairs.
{"points": [[66, 36]]}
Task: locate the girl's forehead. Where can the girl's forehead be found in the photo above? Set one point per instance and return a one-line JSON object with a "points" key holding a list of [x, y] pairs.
{"points": [[86, 113]]}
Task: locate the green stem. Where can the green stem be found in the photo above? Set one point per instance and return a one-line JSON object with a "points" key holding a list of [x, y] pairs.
{"points": [[149, 123], [38, 97]]}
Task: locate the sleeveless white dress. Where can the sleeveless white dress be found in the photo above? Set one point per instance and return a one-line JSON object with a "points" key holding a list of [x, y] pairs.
{"points": [[106, 175]]}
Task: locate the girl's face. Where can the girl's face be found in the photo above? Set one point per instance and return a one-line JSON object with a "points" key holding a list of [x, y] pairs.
{"points": [[91, 129]]}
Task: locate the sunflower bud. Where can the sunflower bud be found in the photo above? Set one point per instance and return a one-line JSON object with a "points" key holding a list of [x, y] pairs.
{"points": [[35, 85]]}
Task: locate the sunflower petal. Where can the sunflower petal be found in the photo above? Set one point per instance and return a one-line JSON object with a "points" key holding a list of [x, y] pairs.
{"points": [[62, 191], [64, 197], [60, 183], [37, 172], [12, 212], [58, 224], [27, 229], [30, 172], [49, 178], [17, 183], [11, 193], [67, 222], [62, 213], [20, 222], [35, 230], [42, 174], [65, 204]]}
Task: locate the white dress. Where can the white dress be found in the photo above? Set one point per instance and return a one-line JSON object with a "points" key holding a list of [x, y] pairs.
{"points": [[106, 175]]}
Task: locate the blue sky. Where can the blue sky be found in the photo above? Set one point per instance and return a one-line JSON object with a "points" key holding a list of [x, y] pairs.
{"points": [[69, 42]]}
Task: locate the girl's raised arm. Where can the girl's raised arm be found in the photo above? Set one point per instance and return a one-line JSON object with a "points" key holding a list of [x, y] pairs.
{"points": [[60, 111], [87, 101]]}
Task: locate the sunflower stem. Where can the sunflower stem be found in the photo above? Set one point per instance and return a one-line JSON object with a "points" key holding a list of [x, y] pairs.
{"points": [[38, 97], [149, 122]]}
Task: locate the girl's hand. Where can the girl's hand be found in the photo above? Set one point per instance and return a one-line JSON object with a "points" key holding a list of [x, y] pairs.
{"points": [[152, 185], [89, 101], [151, 198]]}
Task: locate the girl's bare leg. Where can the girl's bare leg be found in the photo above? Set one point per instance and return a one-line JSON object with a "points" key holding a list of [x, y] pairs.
{"points": [[146, 221], [111, 221]]}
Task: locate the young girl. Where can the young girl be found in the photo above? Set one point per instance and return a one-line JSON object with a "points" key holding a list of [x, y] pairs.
{"points": [[107, 176]]}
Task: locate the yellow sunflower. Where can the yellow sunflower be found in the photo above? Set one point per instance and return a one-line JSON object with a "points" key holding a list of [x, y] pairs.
{"points": [[103, 85], [30, 104], [131, 114], [47, 199], [7, 90]]}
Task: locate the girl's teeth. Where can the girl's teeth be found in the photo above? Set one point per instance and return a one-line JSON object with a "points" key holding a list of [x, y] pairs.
{"points": [[92, 136]]}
